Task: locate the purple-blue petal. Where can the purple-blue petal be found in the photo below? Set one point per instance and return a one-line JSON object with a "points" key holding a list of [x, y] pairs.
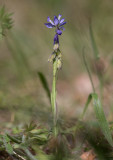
{"points": [[56, 39], [62, 24], [49, 20], [56, 21], [62, 20], [59, 32], [49, 25], [59, 16]]}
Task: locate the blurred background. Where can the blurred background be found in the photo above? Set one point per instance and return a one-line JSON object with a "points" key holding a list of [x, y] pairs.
{"points": [[26, 48]]}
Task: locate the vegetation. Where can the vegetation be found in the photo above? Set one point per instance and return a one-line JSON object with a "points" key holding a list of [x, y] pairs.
{"points": [[34, 126]]}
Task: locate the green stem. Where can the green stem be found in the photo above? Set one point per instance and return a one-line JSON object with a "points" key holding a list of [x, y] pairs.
{"points": [[53, 97], [93, 42], [101, 86]]}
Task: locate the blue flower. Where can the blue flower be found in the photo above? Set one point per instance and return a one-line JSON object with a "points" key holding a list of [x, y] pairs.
{"points": [[58, 23]]}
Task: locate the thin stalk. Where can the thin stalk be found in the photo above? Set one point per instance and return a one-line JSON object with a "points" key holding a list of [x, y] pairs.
{"points": [[101, 79], [53, 97], [93, 42], [88, 71], [97, 57]]}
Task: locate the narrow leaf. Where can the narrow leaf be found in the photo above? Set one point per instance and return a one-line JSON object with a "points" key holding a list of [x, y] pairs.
{"points": [[7, 144], [13, 139], [44, 84]]}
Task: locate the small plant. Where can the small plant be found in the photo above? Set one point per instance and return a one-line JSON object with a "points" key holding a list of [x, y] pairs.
{"points": [[6, 21], [56, 58]]}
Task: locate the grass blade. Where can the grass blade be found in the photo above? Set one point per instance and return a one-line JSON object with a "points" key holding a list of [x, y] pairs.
{"points": [[100, 116]]}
